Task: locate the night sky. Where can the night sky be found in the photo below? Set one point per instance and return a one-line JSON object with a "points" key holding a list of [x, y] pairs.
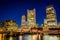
{"points": [[14, 9]]}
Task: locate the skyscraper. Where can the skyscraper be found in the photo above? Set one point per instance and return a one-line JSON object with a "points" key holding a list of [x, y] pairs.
{"points": [[31, 17], [50, 16], [23, 21]]}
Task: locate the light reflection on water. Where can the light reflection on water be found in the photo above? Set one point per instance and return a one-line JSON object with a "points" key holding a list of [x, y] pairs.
{"points": [[34, 37], [27, 37], [47, 37], [20, 37], [30, 37]]}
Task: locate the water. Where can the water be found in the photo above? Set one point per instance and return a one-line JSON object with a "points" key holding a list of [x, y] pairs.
{"points": [[35, 37], [20, 37], [27, 37], [47, 37]]}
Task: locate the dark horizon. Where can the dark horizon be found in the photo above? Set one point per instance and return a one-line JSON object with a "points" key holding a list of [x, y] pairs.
{"points": [[14, 9]]}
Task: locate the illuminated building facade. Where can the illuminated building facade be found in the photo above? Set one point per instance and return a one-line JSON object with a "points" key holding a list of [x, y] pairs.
{"points": [[50, 26], [23, 21], [29, 30], [50, 16], [31, 18]]}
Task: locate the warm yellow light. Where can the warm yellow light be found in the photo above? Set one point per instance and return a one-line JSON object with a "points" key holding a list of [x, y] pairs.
{"points": [[0, 36], [10, 38]]}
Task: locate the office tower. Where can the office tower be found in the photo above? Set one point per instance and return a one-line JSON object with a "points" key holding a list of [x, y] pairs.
{"points": [[50, 16], [31, 17], [23, 21]]}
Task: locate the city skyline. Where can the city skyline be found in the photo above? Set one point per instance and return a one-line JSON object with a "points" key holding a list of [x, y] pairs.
{"points": [[27, 17], [30, 19], [30, 29], [15, 9]]}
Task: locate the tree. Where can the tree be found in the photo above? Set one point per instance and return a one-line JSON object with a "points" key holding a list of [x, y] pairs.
{"points": [[9, 25]]}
